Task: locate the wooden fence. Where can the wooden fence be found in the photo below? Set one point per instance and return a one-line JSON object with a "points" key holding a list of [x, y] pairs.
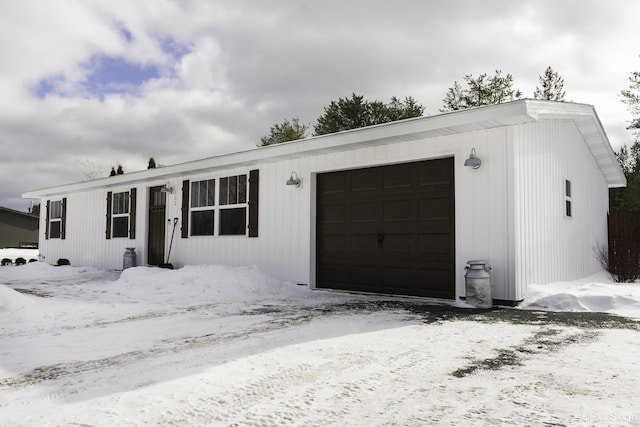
{"points": [[624, 245]]}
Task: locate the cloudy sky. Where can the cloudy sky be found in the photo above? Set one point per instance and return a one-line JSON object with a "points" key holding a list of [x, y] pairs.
{"points": [[86, 85]]}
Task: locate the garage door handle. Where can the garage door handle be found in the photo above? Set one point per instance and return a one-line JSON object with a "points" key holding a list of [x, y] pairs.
{"points": [[380, 239]]}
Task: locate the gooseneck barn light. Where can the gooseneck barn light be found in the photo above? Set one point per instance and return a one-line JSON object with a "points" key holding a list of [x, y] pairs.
{"points": [[167, 188], [294, 181], [473, 162]]}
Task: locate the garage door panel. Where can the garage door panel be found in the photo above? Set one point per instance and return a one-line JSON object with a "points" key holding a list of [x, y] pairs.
{"points": [[334, 214], [334, 242], [364, 243], [366, 211], [435, 172], [364, 180], [434, 244], [368, 275], [399, 242], [409, 282], [435, 208], [398, 176], [333, 274], [434, 226], [402, 278], [397, 224], [335, 183], [399, 210]]}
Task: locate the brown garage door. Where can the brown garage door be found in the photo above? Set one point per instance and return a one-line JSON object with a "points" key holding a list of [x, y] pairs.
{"points": [[388, 229]]}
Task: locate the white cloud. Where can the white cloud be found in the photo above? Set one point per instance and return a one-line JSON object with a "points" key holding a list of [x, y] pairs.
{"points": [[203, 68]]}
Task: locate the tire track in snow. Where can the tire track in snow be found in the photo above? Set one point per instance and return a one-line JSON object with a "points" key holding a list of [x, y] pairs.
{"points": [[53, 372], [545, 340]]}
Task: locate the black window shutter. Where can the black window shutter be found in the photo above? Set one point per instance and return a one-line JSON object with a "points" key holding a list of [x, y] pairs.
{"points": [[46, 223], [132, 213], [254, 190], [108, 229], [185, 209], [63, 220]]}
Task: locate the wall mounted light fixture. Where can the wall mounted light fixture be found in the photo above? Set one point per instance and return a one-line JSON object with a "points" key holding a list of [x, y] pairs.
{"points": [[294, 181], [167, 188], [473, 162]]}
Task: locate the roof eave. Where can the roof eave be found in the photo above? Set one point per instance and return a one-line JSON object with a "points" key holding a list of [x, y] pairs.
{"points": [[462, 121]]}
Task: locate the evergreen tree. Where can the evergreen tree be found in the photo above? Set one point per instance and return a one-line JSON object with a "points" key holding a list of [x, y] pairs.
{"points": [[552, 86], [631, 97], [629, 198], [120, 170], [285, 131], [482, 90], [356, 112], [152, 163], [113, 171]]}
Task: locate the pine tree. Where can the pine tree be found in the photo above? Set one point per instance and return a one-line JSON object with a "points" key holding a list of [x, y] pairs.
{"points": [[552, 86], [631, 97], [285, 131], [628, 198], [356, 112], [482, 90]]}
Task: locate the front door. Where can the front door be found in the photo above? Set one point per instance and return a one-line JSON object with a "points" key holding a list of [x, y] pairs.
{"points": [[157, 225]]}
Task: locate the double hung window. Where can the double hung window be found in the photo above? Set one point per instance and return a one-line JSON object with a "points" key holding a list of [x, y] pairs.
{"points": [[233, 205], [202, 207], [568, 200], [120, 214], [55, 219], [217, 207]]}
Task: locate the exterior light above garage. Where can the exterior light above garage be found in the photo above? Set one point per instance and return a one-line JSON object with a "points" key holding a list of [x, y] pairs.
{"points": [[473, 162]]}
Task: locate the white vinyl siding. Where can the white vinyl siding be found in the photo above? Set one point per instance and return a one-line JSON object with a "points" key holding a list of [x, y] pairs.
{"points": [[549, 247]]}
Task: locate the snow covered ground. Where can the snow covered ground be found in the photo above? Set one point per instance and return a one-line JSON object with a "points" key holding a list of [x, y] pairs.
{"points": [[218, 345]]}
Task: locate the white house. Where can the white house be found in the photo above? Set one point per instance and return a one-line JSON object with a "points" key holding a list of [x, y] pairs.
{"points": [[390, 208]]}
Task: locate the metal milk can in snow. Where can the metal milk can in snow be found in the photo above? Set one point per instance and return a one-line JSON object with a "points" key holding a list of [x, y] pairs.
{"points": [[478, 284], [129, 258]]}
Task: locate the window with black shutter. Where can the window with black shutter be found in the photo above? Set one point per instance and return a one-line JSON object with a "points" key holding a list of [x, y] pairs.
{"points": [[55, 221], [229, 211], [121, 214]]}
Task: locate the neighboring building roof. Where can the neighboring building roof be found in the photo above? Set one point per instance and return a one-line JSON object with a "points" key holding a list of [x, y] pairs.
{"points": [[18, 229], [15, 212], [455, 122]]}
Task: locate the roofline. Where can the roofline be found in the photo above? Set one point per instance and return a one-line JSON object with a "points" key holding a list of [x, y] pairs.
{"points": [[449, 123], [27, 214]]}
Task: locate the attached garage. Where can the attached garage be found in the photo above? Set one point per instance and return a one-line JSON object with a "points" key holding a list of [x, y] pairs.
{"points": [[394, 208], [388, 229]]}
